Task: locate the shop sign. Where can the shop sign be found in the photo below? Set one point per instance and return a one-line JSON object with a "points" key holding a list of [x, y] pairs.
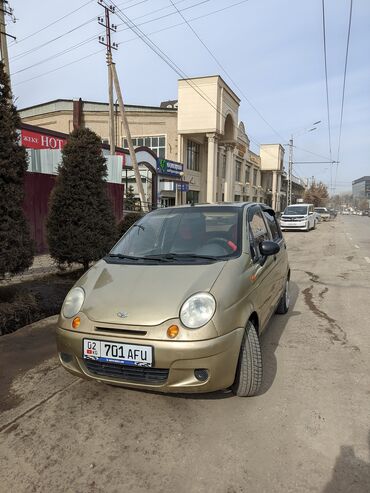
{"points": [[166, 167], [182, 186], [36, 140]]}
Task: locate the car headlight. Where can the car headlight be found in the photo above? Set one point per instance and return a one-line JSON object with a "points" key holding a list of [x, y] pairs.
{"points": [[197, 310], [73, 302]]}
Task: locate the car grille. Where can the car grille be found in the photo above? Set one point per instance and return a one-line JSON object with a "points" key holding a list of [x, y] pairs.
{"points": [[129, 373], [289, 219]]}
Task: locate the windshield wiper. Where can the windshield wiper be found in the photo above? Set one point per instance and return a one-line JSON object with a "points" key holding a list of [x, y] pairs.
{"points": [[138, 226], [160, 258], [125, 257], [191, 255]]}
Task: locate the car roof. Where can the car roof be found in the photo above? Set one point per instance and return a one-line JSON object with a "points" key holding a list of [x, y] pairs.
{"points": [[215, 205], [298, 205]]}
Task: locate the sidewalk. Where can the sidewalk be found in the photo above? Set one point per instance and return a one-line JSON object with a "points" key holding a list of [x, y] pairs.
{"points": [[42, 265]]}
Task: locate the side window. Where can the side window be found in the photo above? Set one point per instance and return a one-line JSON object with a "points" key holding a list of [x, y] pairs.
{"points": [[258, 231], [273, 225]]}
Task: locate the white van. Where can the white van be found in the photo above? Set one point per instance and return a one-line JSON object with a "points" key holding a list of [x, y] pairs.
{"points": [[298, 216]]}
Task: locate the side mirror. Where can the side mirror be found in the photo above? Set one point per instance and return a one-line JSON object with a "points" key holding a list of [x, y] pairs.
{"points": [[268, 248]]}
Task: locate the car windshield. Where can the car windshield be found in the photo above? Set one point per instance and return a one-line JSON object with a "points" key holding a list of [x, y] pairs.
{"points": [[320, 209], [296, 211], [180, 234]]}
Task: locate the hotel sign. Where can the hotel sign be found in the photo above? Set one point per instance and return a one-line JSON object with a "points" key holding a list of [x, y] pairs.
{"points": [[38, 140]]}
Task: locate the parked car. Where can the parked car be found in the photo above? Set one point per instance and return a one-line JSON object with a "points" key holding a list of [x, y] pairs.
{"points": [[180, 302], [298, 217], [324, 213], [333, 213]]}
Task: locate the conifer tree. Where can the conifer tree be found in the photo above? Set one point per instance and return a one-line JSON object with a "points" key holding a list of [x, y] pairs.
{"points": [[16, 246], [81, 226], [130, 200]]}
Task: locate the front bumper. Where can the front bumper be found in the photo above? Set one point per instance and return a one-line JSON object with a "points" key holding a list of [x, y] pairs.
{"points": [[219, 356], [298, 225]]}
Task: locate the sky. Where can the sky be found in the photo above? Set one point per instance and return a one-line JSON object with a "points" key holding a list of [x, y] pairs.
{"points": [[272, 52]]}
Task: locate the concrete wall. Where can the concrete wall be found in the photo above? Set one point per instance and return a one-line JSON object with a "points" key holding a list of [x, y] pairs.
{"points": [[272, 156]]}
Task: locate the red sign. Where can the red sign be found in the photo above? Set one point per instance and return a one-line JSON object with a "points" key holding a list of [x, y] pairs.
{"points": [[36, 140]]}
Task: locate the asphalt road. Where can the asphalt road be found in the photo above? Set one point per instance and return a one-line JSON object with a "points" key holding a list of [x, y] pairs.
{"points": [[307, 431]]}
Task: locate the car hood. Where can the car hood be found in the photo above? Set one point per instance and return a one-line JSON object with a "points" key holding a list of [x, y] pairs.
{"points": [[147, 294]]}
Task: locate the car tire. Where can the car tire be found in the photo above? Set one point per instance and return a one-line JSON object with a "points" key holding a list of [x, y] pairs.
{"points": [[314, 225], [248, 377], [284, 302]]}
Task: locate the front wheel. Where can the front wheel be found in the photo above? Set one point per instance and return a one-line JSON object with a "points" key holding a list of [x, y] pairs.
{"points": [[284, 302], [248, 377]]}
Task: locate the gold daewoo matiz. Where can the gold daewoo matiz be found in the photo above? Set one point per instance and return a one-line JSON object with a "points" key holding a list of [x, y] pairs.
{"points": [[180, 302]]}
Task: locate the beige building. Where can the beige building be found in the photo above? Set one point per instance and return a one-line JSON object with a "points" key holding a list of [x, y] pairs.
{"points": [[201, 130]]}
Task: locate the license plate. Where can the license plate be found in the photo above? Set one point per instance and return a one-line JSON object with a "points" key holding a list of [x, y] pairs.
{"points": [[113, 352]]}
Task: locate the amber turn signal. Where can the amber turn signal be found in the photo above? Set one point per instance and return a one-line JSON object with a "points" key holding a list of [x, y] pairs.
{"points": [[76, 322], [172, 331]]}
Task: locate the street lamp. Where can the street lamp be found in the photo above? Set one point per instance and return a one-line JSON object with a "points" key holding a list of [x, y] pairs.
{"points": [[290, 169]]}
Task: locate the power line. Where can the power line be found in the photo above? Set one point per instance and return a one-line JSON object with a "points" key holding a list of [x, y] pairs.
{"points": [[225, 71], [58, 68], [326, 80], [344, 89], [126, 41], [155, 48], [311, 152], [56, 55], [53, 23], [87, 40], [48, 42]]}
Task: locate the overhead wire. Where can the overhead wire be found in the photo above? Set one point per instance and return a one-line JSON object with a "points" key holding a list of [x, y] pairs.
{"points": [[343, 89], [225, 71], [126, 41], [56, 38], [156, 49], [52, 23], [87, 40], [327, 85]]}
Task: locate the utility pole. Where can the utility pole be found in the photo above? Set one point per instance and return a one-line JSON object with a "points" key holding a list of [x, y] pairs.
{"points": [[4, 9], [128, 137], [107, 42], [290, 170], [113, 79]]}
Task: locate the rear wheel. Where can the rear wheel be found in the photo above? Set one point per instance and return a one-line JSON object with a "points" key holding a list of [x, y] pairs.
{"points": [[248, 377], [284, 302]]}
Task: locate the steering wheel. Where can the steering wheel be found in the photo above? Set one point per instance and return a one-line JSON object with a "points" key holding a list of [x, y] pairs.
{"points": [[227, 244]]}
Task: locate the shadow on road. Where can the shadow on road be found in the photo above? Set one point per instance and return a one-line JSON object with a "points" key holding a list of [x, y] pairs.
{"points": [[350, 473], [271, 337]]}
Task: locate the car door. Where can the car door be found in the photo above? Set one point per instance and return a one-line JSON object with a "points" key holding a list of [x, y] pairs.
{"points": [[261, 270], [279, 274]]}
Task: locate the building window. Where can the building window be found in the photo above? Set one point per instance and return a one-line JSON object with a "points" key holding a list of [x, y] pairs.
{"points": [[236, 198], [255, 177], [224, 167], [247, 174], [238, 171], [157, 144], [192, 197], [193, 151]]}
